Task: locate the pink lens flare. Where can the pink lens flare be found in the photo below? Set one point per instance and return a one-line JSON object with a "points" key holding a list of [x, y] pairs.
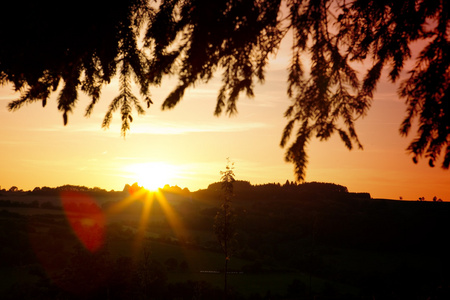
{"points": [[85, 217]]}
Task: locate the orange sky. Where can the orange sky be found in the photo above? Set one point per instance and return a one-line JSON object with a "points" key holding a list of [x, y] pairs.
{"points": [[37, 150]]}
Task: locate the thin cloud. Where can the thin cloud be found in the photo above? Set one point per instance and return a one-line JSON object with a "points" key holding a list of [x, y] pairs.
{"points": [[157, 127], [165, 128]]}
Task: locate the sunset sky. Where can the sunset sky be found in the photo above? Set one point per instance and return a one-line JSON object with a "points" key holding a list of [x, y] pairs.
{"points": [[192, 145]]}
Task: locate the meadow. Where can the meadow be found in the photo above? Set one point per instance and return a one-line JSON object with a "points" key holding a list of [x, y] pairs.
{"points": [[308, 241]]}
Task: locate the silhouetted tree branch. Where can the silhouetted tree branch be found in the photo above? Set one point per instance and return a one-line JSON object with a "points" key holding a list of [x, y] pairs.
{"points": [[83, 46]]}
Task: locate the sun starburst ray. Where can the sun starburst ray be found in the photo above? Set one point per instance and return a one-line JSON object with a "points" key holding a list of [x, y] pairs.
{"points": [[144, 221], [171, 215]]}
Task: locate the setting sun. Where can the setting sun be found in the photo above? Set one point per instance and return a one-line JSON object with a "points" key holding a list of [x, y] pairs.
{"points": [[152, 175]]}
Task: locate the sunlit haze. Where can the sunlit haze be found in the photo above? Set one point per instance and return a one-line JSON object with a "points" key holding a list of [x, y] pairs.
{"points": [[152, 175], [188, 146]]}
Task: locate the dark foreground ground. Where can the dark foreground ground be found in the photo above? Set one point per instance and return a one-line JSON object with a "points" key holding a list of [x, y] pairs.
{"points": [[310, 241]]}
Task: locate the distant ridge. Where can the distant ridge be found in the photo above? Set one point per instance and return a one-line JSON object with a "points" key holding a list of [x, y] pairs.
{"points": [[316, 188], [323, 188]]}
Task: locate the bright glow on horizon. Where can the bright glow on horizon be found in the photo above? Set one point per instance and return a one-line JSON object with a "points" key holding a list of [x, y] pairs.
{"points": [[37, 150], [152, 175]]}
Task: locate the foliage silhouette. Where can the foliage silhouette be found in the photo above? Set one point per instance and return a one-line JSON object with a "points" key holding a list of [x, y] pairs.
{"points": [[83, 47], [224, 220]]}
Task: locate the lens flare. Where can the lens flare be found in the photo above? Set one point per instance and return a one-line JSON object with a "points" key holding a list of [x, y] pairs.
{"points": [[85, 218]]}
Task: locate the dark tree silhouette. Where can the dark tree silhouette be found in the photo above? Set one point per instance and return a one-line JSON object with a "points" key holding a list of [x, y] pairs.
{"points": [[224, 220], [13, 189], [82, 46]]}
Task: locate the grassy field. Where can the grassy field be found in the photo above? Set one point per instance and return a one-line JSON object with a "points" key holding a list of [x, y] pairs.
{"points": [[291, 246]]}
